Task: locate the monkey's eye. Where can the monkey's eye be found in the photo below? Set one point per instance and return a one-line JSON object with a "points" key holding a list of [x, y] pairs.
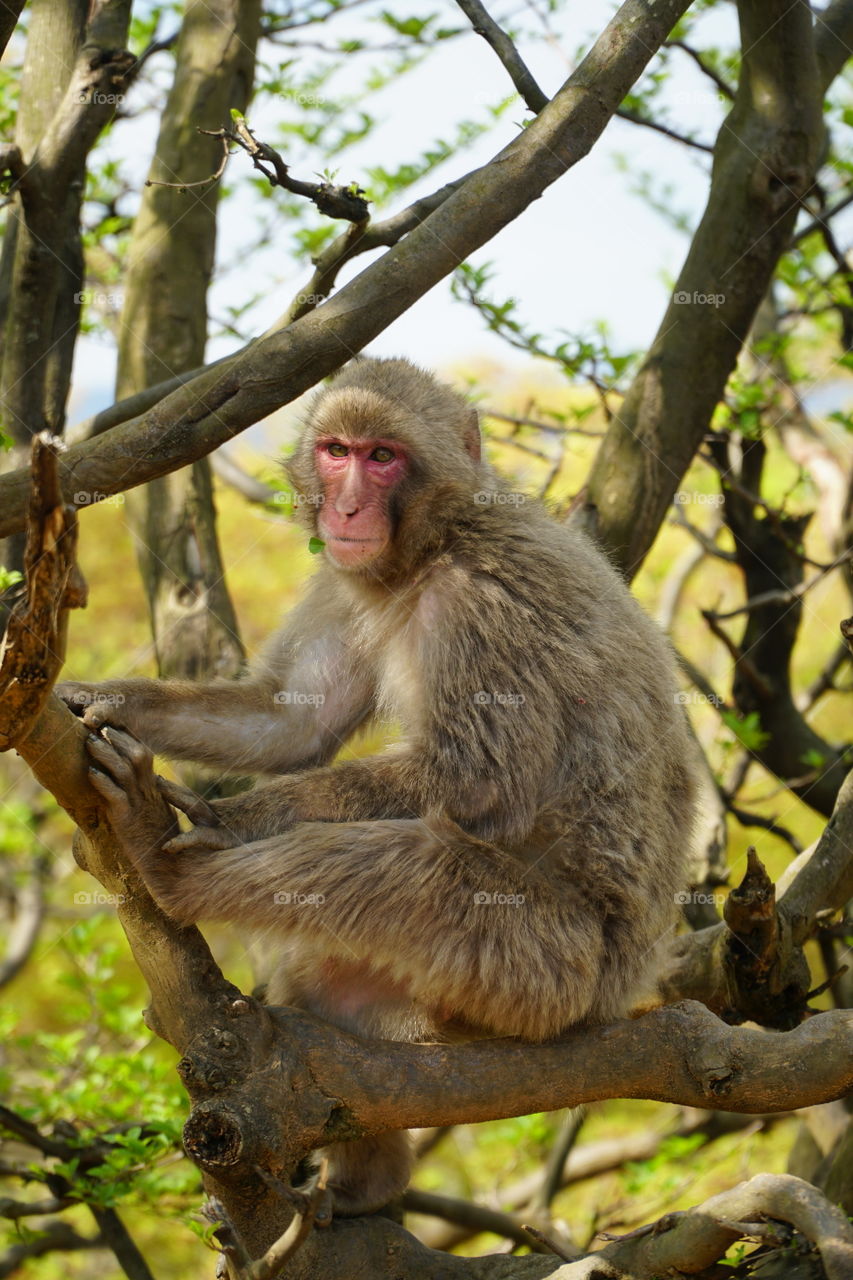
{"points": [[382, 454], [337, 450]]}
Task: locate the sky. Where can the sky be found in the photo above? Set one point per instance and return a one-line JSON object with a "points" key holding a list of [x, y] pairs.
{"points": [[589, 250]]}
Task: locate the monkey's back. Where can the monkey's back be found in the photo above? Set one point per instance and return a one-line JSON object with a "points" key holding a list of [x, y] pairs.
{"points": [[590, 727]]}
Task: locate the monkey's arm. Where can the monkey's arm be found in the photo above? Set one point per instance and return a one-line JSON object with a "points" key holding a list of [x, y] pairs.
{"points": [[306, 696], [398, 784], [482, 752]]}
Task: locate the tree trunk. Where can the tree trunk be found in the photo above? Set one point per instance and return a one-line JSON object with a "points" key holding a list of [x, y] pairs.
{"points": [[164, 330]]}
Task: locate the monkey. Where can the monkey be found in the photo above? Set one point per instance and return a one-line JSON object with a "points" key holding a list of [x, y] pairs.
{"points": [[509, 866]]}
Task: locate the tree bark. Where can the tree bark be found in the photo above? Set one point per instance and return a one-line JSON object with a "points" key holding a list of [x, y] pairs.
{"points": [[71, 77], [164, 332]]}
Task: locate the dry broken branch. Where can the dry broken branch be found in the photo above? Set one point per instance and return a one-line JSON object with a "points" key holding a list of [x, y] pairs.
{"points": [[35, 639]]}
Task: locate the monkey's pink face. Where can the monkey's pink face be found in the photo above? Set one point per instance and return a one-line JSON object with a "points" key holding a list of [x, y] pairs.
{"points": [[358, 478]]}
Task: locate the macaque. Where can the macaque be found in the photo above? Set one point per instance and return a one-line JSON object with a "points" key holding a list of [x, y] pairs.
{"points": [[509, 866]]}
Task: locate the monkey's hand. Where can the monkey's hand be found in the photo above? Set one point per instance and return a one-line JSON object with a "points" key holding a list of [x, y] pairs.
{"points": [[241, 819], [212, 830], [96, 704], [122, 774]]}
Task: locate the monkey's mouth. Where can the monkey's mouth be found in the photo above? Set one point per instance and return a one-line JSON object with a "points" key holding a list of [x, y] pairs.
{"points": [[340, 537], [347, 550]]}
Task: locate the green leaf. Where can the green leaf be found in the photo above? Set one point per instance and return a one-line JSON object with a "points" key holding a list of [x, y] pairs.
{"points": [[747, 729], [315, 545]]}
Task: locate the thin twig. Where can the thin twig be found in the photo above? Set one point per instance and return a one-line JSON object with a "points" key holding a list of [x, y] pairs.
{"points": [[519, 73], [648, 123], [201, 182], [703, 66], [787, 596]]}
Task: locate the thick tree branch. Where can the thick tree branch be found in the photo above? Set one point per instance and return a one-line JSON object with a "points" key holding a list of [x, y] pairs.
{"points": [[352, 242], [697, 1238], [764, 162], [833, 38], [39, 333], [201, 416]]}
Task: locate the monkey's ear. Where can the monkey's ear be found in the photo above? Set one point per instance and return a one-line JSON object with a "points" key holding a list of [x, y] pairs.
{"points": [[471, 437]]}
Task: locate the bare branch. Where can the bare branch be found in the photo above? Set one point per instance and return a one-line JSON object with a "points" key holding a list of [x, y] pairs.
{"points": [[231, 473], [633, 117], [519, 73], [211, 177], [473, 1218], [705, 67], [823, 219], [333, 201], [819, 880]]}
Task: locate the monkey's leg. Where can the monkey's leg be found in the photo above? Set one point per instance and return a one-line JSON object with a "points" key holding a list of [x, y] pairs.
{"points": [[365, 1175], [472, 933]]}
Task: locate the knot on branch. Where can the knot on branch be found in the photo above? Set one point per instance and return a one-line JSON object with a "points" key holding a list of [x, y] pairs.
{"points": [[766, 972], [215, 1060], [213, 1136], [102, 75], [782, 187]]}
